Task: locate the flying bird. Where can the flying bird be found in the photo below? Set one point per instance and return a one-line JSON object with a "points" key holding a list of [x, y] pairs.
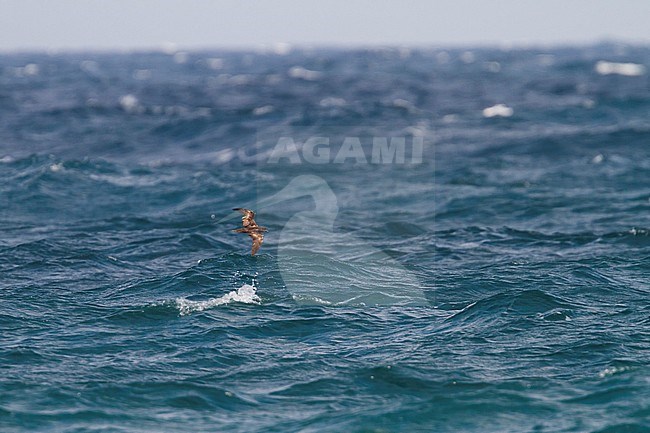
{"points": [[251, 228]]}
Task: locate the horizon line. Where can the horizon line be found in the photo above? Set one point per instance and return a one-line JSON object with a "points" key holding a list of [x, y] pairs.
{"points": [[283, 48]]}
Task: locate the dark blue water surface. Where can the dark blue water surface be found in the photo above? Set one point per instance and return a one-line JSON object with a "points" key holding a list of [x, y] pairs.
{"points": [[495, 277]]}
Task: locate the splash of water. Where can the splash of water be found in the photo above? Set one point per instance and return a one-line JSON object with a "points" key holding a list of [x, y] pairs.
{"points": [[246, 294]]}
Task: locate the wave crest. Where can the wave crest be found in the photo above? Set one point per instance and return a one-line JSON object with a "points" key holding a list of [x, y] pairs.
{"points": [[246, 294]]}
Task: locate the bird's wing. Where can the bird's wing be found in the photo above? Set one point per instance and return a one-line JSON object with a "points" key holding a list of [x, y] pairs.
{"points": [[247, 218], [257, 238]]}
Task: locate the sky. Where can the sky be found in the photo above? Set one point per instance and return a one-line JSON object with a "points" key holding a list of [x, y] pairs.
{"points": [[196, 24]]}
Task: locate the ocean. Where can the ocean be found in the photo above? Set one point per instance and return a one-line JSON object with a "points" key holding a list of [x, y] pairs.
{"points": [[458, 240]]}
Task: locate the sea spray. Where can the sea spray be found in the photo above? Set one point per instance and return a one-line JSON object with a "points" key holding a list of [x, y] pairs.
{"points": [[246, 294]]}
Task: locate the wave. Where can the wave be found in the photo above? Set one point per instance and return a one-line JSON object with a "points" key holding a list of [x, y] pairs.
{"points": [[535, 303], [246, 294], [503, 277]]}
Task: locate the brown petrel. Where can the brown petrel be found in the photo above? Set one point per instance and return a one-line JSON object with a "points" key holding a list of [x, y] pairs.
{"points": [[251, 228]]}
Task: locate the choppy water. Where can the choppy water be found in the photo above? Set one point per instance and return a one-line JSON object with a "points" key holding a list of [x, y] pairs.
{"points": [[498, 281]]}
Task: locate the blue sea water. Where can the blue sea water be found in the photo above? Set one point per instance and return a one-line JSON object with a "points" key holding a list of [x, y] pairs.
{"points": [[494, 279]]}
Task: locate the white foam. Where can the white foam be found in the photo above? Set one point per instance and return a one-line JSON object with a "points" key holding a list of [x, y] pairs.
{"points": [[89, 66], [281, 48], [415, 131], [129, 103], [450, 118], [28, 70], [305, 74], [239, 79], [310, 299], [31, 69], [246, 294], [331, 101], [492, 66], [468, 57], [224, 156], [403, 103], [589, 103], [168, 48], [610, 371], [498, 110], [265, 109], [56, 167], [215, 63], [627, 69]]}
